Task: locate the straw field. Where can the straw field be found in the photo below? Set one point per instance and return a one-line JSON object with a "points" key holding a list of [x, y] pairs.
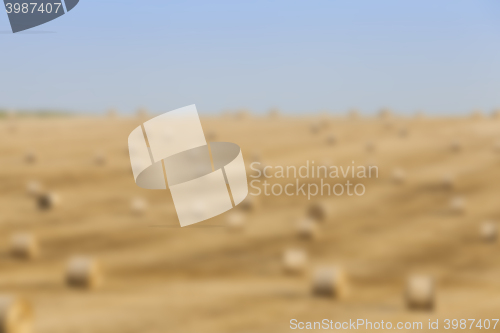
{"points": [[438, 182]]}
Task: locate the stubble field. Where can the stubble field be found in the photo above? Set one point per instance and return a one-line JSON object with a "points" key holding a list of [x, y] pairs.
{"points": [[159, 277]]}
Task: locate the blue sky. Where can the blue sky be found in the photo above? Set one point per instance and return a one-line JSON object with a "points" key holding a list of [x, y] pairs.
{"points": [[441, 56]]}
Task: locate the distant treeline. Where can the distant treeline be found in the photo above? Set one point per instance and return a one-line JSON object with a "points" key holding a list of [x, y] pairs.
{"points": [[33, 113]]}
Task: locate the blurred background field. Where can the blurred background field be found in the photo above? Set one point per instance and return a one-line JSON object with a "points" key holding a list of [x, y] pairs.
{"points": [[426, 213], [83, 249]]}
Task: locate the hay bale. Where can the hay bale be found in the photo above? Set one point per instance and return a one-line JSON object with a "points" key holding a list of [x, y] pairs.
{"points": [[83, 272], [243, 114], [331, 140], [48, 200], [294, 261], [210, 135], [420, 115], [142, 113], [274, 113], [100, 158], [30, 157], [403, 132], [314, 128], [324, 121], [385, 113], [235, 221], [457, 205], [138, 206], [249, 204], [12, 127], [256, 156], [11, 114], [477, 114], [398, 176], [16, 315], [24, 246], [319, 211], [420, 292], [448, 182], [33, 188], [488, 231], [329, 282], [307, 229], [456, 146], [12, 124], [112, 113], [495, 114], [353, 114], [369, 147], [496, 146]]}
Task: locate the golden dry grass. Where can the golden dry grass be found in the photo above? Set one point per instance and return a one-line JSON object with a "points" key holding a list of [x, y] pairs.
{"points": [[203, 278]]}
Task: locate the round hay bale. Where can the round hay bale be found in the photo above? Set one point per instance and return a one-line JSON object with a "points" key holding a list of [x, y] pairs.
{"points": [[308, 229], [457, 205], [243, 114], [33, 188], [16, 315], [235, 221], [388, 125], [100, 158], [420, 115], [331, 140], [11, 114], [314, 128], [456, 146], [398, 176], [256, 157], [353, 114], [329, 282], [112, 113], [274, 113], [420, 292], [488, 231], [448, 182], [324, 121], [249, 204], [319, 211], [30, 157], [138, 206], [12, 127], [496, 146], [211, 136], [370, 147], [495, 114], [24, 246], [142, 113], [48, 200], [477, 114], [294, 261], [83, 272], [385, 113], [403, 132]]}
